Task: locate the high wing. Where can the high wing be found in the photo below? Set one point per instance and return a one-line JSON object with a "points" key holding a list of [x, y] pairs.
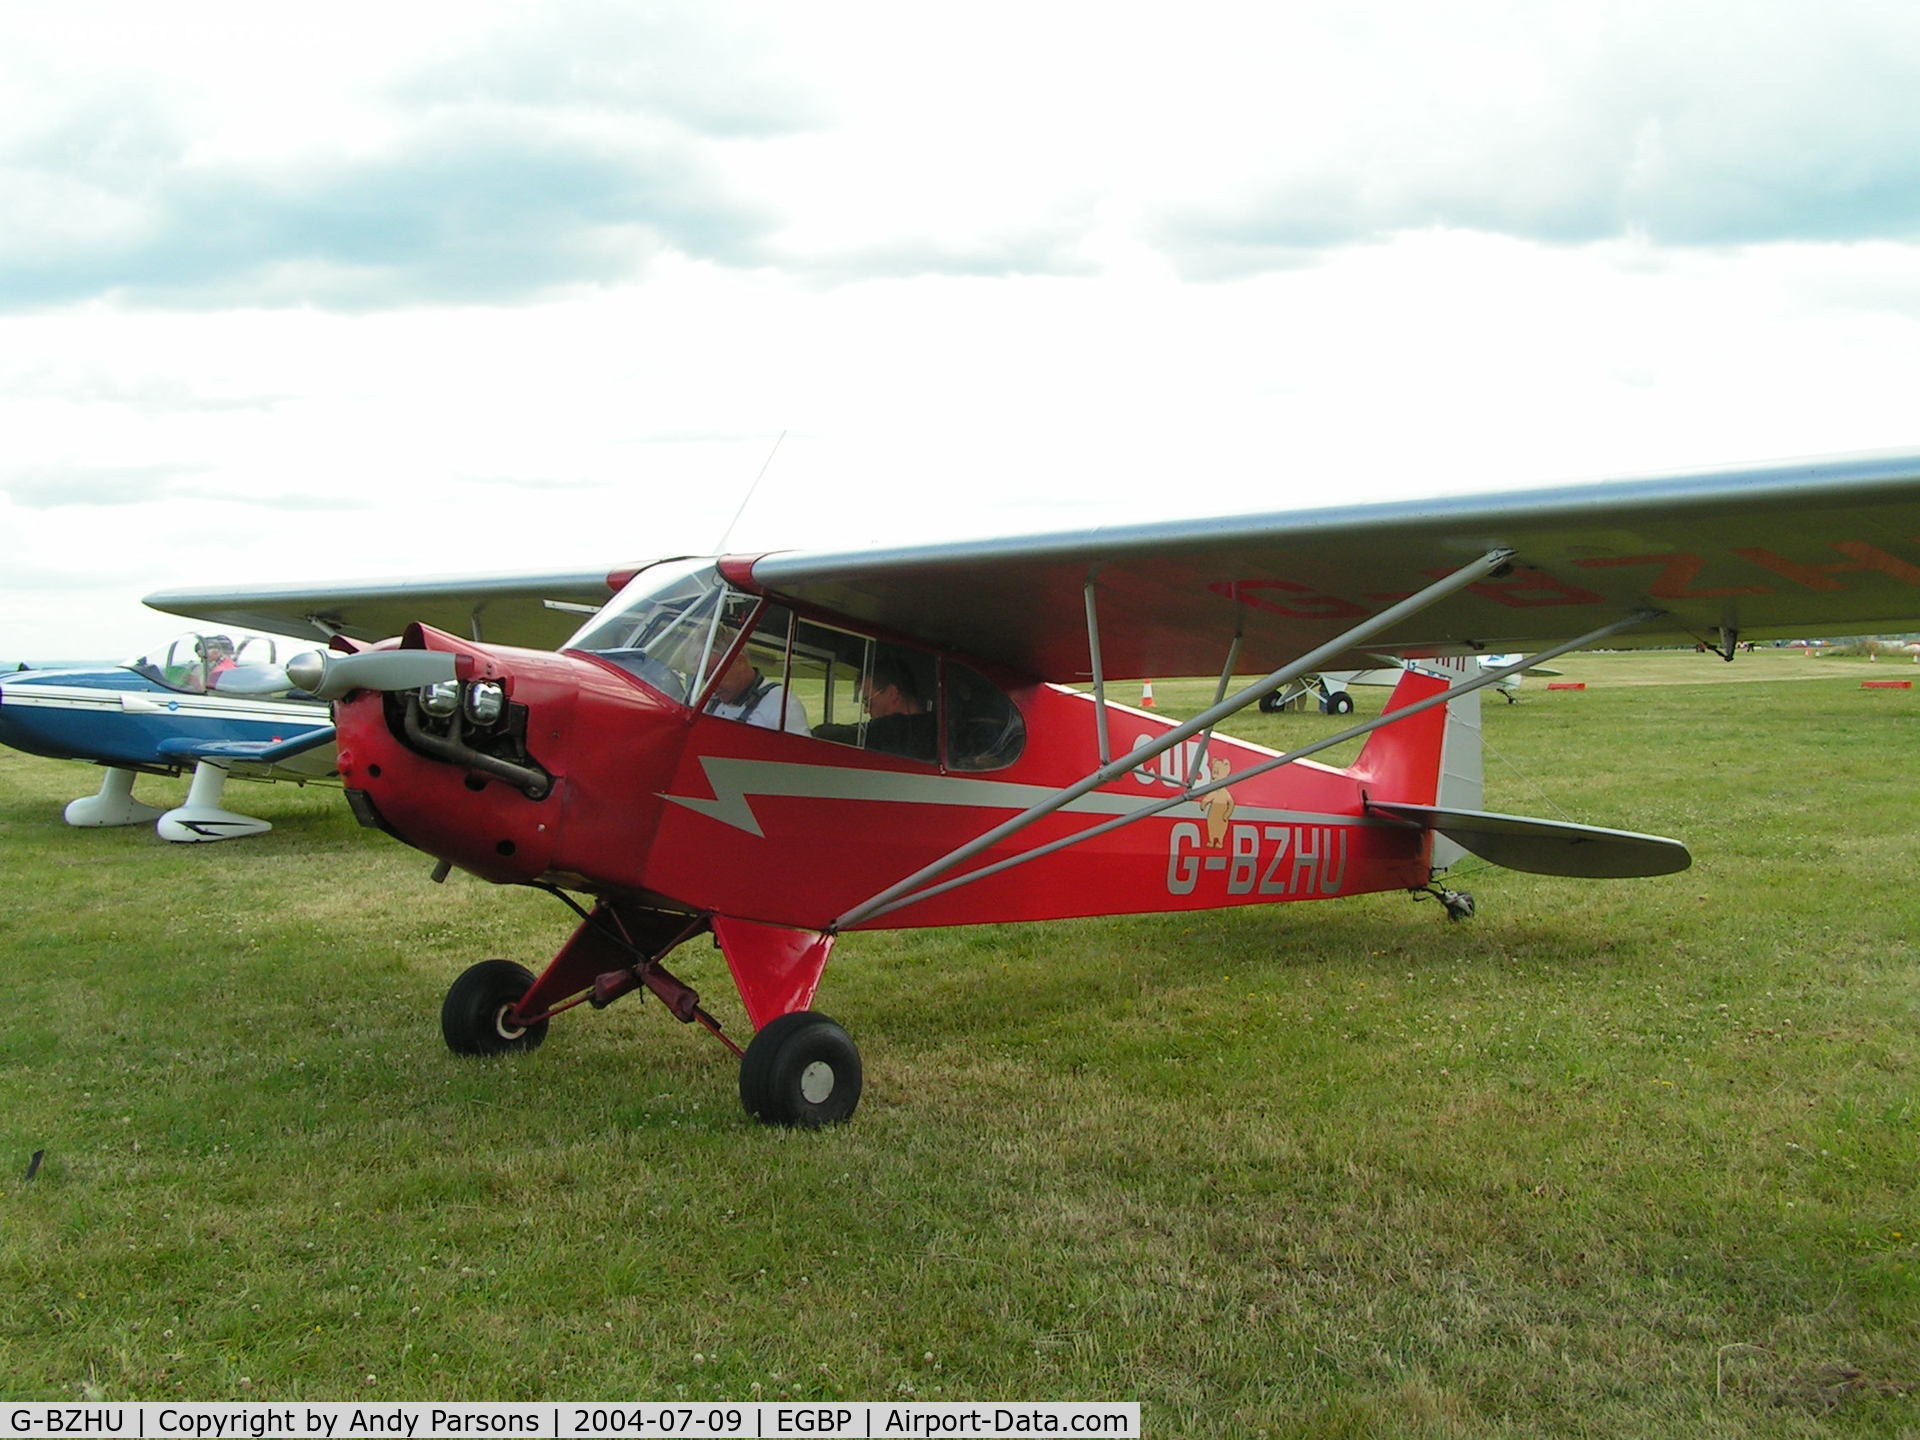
{"points": [[1819, 547], [1815, 547], [537, 612]]}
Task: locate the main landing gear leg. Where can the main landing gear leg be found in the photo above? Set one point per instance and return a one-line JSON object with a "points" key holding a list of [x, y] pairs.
{"points": [[800, 1068], [202, 818], [114, 805]]}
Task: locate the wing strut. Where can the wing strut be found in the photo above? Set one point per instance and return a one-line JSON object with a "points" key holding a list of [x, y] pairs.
{"points": [[1199, 765], [1100, 688], [1466, 575], [1099, 678], [1366, 727]]}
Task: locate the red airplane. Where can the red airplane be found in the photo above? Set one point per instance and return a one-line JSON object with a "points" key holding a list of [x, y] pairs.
{"points": [[773, 750]]}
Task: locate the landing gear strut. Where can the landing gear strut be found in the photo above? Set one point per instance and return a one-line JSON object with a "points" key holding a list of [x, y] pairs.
{"points": [[800, 1068], [202, 817]]}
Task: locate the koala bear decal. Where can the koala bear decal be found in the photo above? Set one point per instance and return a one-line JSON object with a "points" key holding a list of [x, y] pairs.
{"points": [[1218, 805]]}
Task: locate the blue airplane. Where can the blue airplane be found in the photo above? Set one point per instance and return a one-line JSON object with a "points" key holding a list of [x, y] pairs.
{"points": [[230, 711], [205, 702]]}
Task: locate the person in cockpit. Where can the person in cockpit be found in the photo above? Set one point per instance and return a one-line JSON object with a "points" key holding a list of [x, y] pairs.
{"points": [[898, 720], [216, 659], [743, 693]]}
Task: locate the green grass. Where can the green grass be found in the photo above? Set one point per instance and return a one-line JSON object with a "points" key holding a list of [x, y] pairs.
{"points": [[1612, 1159]]}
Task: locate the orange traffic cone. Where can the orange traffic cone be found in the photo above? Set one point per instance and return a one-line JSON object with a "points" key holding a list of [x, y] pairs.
{"points": [[1146, 696]]}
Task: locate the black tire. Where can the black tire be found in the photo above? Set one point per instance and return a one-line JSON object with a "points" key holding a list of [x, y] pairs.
{"points": [[802, 1070], [1340, 703], [1270, 703], [473, 1017]]}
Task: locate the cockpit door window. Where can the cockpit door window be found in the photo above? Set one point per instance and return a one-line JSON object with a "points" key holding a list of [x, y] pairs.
{"points": [[683, 630]]}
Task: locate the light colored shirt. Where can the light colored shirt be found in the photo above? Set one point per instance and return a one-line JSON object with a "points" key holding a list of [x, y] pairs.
{"points": [[765, 711]]}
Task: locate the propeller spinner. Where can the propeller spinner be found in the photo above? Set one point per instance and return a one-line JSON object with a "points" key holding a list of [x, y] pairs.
{"points": [[333, 677]]}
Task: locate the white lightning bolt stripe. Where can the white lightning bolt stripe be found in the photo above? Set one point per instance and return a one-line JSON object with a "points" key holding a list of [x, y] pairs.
{"points": [[734, 780]]}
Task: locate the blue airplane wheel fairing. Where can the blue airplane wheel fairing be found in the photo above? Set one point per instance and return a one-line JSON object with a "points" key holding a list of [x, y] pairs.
{"points": [[474, 1018], [802, 1070]]}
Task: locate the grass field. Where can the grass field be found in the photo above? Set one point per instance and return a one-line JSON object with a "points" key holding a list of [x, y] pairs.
{"points": [[1611, 1159]]}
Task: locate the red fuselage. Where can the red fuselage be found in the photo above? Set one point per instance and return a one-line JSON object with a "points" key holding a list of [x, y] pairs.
{"points": [[649, 800]]}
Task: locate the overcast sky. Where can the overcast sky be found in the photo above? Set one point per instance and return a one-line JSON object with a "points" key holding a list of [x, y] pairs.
{"points": [[294, 293]]}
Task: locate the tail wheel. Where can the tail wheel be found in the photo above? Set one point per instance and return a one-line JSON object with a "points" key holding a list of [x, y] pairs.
{"points": [[476, 1017], [802, 1070]]}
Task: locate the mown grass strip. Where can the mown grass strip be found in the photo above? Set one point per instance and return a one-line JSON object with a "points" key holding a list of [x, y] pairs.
{"points": [[1611, 1159]]}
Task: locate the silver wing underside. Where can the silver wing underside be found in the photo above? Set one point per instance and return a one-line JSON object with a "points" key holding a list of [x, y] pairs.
{"points": [[536, 612], [1827, 547], [1817, 548]]}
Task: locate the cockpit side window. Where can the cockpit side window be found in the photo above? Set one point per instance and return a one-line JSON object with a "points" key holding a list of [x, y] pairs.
{"points": [[875, 695], [826, 670], [750, 679], [897, 700], [678, 626], [984, 728]]}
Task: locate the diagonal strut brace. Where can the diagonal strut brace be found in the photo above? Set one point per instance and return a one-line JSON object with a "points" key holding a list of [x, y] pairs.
{"points": [[1195, 792], [1469, 574]]}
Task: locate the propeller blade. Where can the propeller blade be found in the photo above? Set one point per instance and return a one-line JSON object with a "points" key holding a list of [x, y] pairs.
{"points": [[333, 677]]}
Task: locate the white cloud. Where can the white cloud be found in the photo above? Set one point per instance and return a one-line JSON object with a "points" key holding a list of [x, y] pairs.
{"points": [[442, 287]]}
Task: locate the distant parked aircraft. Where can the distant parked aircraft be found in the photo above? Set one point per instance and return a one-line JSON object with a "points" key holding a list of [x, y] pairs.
{"points": [[228, 710], [1332, 687], [206, 702]]}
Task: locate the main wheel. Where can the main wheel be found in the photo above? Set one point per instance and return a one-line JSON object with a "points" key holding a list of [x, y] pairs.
{"points": [[801, 1069], [474, 1016]]}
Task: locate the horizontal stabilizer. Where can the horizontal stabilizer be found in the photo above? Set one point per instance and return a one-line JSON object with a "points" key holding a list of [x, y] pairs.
{"points": [[1546, 847]]}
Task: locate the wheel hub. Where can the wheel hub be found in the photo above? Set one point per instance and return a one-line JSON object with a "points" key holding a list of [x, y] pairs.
{"points": [[504, 1027], [816, 1082]]}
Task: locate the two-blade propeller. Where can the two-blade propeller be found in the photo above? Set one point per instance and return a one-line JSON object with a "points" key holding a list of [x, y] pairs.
{"points": [[332, 677]]}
